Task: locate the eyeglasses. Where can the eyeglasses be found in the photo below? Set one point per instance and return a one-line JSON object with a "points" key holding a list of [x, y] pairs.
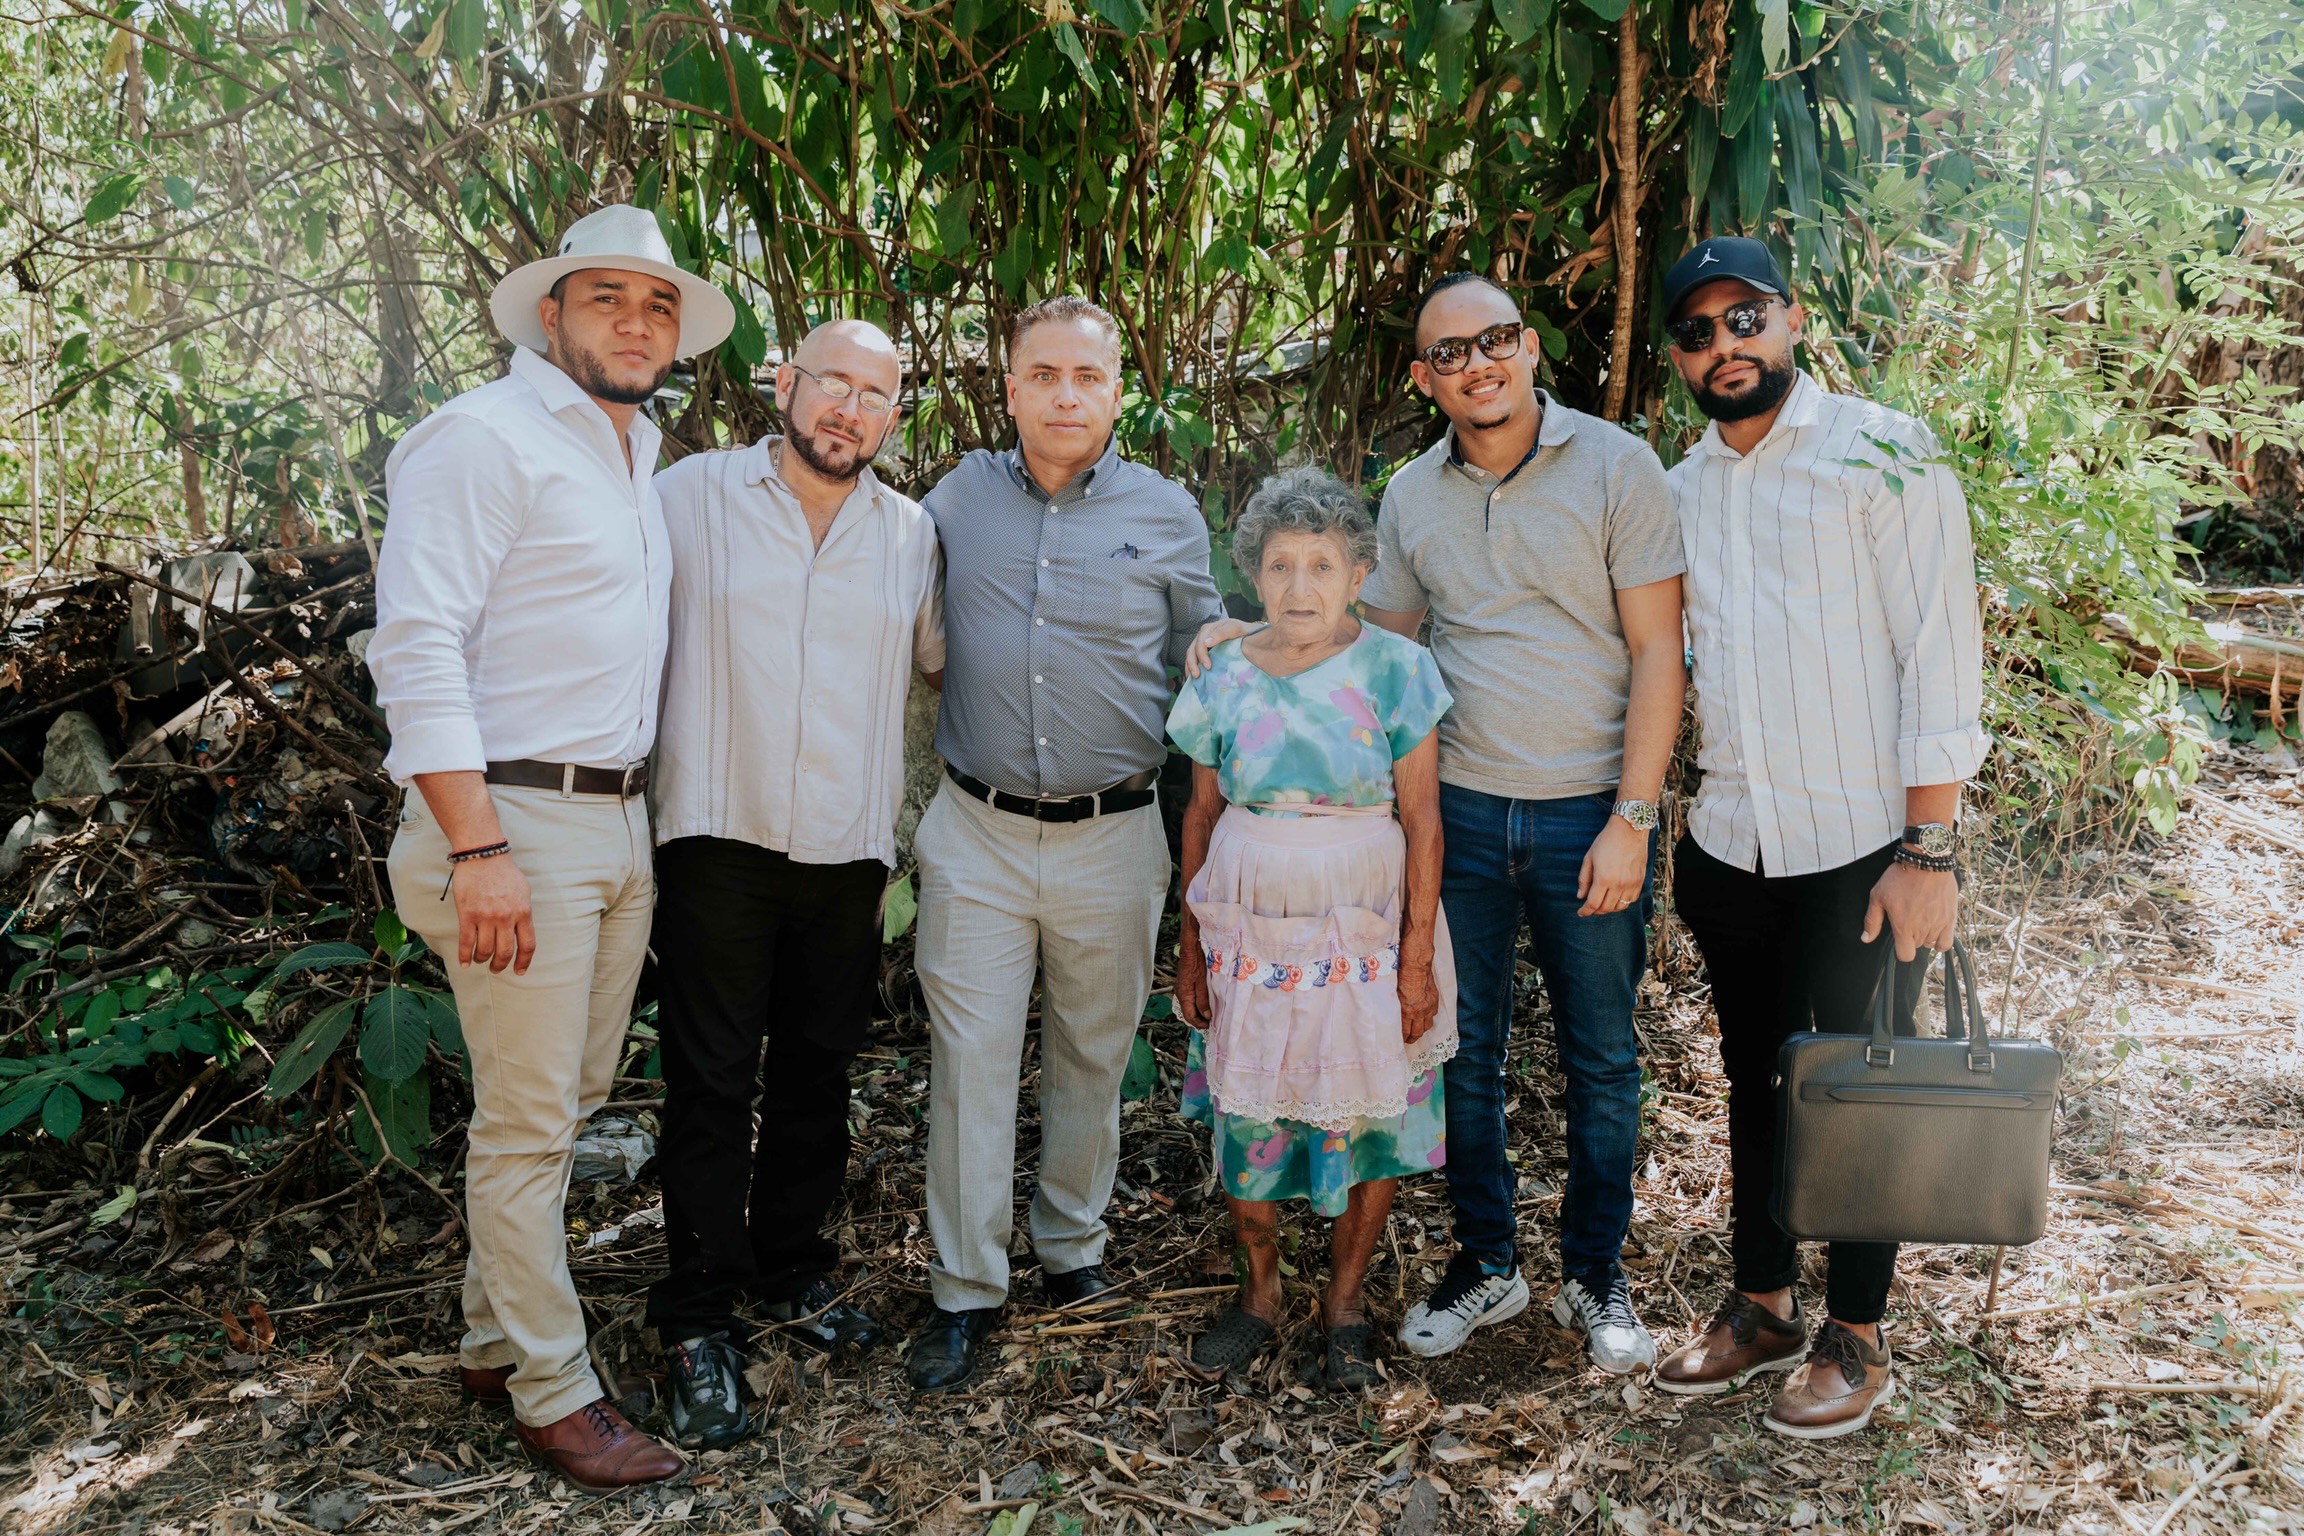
{"points": [[1450, 353], [1693, 333], [873, 402]]}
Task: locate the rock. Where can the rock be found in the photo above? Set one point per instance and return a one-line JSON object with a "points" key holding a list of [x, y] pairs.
{"points": [[1188, 1430], [334, 1509], [195, 934], [1019, 1483], [42, 826], [1420, 1516], [76, 761]]}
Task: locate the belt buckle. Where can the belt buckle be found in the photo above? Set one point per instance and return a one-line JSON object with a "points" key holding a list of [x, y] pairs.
{"points": [[631, 771]]}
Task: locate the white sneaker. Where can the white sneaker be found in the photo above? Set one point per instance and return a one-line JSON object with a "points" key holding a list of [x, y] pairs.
{"points": [[1614, 1340], [1466, 1298]]}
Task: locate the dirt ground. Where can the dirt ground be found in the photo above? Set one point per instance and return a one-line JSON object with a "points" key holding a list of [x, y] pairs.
{"points": [[188, 1371]]}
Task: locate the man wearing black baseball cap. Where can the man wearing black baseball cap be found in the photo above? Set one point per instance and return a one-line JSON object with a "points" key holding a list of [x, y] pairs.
{"points": [[1833, 618]]}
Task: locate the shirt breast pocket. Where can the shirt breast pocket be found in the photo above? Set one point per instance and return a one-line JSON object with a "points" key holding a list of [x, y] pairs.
{"points": [[1120, 595]]}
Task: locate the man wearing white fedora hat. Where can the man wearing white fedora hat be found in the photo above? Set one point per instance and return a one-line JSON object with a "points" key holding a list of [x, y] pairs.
{"points": [[521, 599]]}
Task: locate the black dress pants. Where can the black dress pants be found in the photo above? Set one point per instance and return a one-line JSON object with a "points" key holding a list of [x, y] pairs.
{"points": [[753, 951], [1786, 953]]}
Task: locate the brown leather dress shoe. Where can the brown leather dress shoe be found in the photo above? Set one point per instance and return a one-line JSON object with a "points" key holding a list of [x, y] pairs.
{"points": [[1743, 1339], [493, 1385], [1835, 1393], [598, 1450]]}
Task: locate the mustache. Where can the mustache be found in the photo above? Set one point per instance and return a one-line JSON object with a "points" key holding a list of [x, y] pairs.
{"points": [[1731, 360]]}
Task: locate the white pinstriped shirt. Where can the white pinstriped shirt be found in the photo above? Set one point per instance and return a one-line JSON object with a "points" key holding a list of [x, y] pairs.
{"points": [[1832, 613], [784, 691]]}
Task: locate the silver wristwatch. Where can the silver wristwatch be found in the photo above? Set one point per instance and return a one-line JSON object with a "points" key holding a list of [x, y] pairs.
{"points": [[1640, 815], [1932, 838]]}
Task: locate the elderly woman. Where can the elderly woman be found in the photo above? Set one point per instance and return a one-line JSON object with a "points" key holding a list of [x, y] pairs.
{"points": [[1315, 967]]}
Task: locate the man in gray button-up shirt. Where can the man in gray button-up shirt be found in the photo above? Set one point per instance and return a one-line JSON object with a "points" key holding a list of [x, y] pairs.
{"points": [[1072, 581]]}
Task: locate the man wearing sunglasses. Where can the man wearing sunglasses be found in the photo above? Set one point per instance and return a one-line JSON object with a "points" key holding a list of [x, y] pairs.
{"points": [[1541, 542], [805, 594], [1833, 616]]}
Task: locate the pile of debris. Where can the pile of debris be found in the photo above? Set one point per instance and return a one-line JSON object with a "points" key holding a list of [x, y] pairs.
{"points": [[198, 728]]}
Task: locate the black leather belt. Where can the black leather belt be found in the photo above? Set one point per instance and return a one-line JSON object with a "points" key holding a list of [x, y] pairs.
{"points": [[1126, 795], [569, 778]]}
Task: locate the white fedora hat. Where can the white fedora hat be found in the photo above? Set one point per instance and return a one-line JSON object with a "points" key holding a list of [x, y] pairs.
{"points": [[624, 239]]}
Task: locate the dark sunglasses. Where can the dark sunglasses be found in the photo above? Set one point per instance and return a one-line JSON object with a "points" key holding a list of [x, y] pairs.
{"points": [[1693, 333], [1450, 353]]}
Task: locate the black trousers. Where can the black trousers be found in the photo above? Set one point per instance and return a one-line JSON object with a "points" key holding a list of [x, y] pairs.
{"points": [[753, 951], [1786, 953]]}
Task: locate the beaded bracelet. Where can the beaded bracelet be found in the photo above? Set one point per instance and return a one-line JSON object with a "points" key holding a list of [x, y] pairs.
{"points": [[466, 856], [1919, 860]]}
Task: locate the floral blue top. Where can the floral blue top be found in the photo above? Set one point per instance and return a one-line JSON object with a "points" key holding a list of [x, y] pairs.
{"points": [[1326, 736]]}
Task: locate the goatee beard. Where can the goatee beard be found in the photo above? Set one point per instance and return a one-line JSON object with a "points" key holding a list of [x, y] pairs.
{"points": [[804, 449], [1775, 382]]}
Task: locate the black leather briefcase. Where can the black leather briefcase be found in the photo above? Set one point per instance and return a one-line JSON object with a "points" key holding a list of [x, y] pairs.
{"points": [[1896, 1139]]}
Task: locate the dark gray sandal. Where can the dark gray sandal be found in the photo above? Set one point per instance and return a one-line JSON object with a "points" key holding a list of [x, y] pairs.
{"points": [[1352, 1357], [1233, 1340]]}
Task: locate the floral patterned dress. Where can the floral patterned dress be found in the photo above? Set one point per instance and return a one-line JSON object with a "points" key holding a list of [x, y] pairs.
{"points": [[1324, 737]]}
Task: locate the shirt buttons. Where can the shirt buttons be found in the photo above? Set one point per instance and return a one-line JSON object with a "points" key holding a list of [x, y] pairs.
{"points": [[1043, 562], [1043, 741], [1039, 621], [1036, 677]]}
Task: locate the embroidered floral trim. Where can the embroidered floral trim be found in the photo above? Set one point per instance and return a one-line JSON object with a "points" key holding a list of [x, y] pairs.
{"points": [[1334, 1114], [1286, 976]]}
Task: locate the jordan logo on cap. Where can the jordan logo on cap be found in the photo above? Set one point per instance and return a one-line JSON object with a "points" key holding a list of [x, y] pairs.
{"points": [[1707, 259]]}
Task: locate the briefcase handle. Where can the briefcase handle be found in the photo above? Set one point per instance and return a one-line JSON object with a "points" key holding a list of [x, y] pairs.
{"points": [[1963, 1010]]}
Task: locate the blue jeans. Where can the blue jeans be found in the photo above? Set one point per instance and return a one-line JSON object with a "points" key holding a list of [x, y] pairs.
{"points": [[1507, 859]]}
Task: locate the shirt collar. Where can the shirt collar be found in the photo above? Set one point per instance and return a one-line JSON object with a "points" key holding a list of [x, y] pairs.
{"points": [[1803, 407], [562, 393], [1557, 425], [1081, 484], [760, 469]]}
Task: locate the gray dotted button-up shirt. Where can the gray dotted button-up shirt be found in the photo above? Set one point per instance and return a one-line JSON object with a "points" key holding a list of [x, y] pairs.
{"points": [[1062, 616]]}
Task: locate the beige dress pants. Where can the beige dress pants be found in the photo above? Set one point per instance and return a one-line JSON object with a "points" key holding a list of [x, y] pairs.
{"points": [[1003, 897], [543, 1049]]}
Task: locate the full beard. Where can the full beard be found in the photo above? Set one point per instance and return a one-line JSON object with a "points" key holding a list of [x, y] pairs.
{"points": [[1767, 392], [591, 376]]}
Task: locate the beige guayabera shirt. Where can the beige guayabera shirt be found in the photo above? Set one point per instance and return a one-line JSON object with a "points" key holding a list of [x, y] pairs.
{"points": [[784, 689]]}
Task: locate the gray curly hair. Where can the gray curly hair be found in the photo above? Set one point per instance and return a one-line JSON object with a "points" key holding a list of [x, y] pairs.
{"points": [[1302, 501]]}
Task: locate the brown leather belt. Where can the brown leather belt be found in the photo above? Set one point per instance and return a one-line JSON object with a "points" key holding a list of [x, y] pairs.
{"points": [[569, 778], [1127, 795]]}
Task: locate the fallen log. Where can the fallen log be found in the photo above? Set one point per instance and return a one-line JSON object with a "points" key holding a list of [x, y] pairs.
{"points": [[2233, 659]]}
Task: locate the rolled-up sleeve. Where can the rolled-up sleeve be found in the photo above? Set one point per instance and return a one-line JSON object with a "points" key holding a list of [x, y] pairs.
{"points": [[1925, 554], [1193, 600], [457, 501]]}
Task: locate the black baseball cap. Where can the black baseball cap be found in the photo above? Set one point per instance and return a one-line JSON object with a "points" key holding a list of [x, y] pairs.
{"points": [[1735, 256]]}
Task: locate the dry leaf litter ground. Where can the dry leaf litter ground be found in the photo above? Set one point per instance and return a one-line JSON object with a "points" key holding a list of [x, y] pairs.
{"points": [[229, 1366]]}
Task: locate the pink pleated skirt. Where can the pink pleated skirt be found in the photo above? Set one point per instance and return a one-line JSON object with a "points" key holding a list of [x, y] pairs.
{"points": [[1300, 921]]}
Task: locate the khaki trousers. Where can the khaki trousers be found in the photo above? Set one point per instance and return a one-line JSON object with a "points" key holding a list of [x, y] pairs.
{"points": [[543, 1049], [1003, 897]]}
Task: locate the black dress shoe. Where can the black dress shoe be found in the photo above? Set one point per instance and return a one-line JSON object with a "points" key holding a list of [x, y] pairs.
{"points": [[946, 1352], [1073, 1286]]}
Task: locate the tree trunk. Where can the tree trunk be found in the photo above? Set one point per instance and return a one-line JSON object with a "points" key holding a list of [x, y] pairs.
{"points": [[1627, 213]]}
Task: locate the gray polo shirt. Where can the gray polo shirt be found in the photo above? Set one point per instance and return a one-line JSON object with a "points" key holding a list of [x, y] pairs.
{"points": [[1521, 577], [1061, 618]]}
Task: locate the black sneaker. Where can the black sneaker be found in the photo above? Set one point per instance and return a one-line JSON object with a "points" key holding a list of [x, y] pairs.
{"points": [[818, 1318], [705, 1391]]}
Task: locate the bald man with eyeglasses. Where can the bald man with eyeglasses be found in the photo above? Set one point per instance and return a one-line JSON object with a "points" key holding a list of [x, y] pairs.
{"points": [[805, 594]]}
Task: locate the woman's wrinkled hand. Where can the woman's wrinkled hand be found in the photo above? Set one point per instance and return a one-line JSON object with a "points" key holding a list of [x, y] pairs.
{"points": [[1192, 982], [1419, 999]]}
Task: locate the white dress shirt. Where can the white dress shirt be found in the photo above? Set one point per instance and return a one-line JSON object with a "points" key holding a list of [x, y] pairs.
{"points": [[790, 663], [1832, 614], [523, 585]]}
